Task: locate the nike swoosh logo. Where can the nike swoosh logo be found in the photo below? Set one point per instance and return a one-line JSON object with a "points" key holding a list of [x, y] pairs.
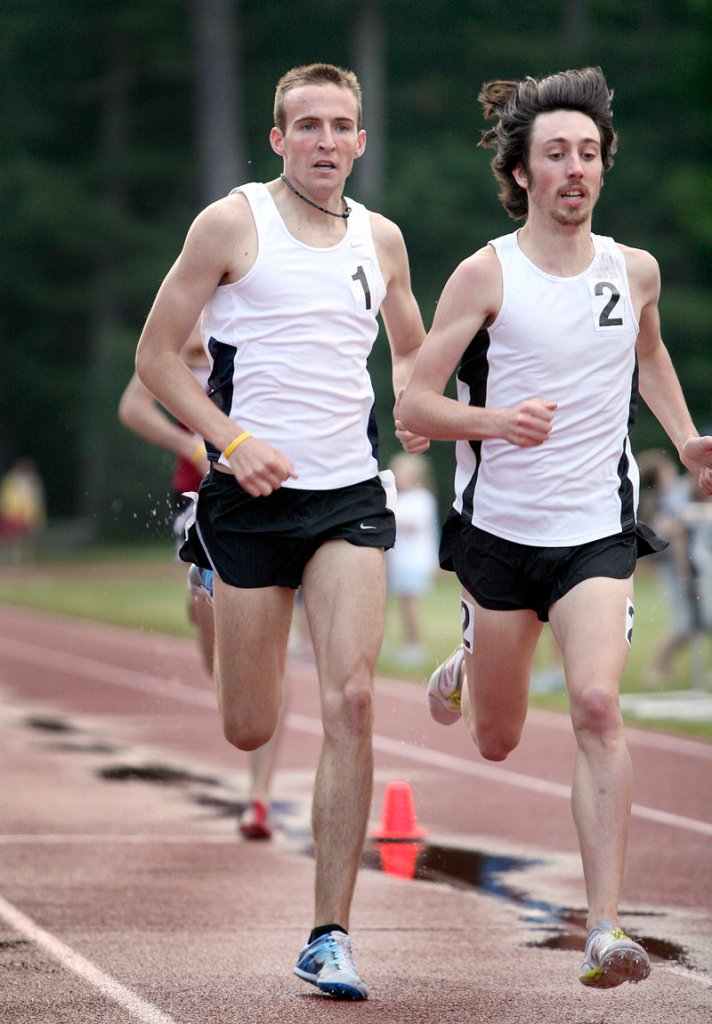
{"points": [[363, 526]]}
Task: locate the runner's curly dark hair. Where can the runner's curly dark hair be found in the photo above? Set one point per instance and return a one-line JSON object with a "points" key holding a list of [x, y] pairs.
{"points": [[516, 105]]}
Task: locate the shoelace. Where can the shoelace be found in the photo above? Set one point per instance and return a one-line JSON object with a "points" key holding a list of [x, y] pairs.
{"points": [[340, 947], [604, 939], [455, 697]]}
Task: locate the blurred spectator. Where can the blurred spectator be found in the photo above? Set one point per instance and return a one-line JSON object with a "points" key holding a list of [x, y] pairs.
{"points": [[671, 505], [22, 510], [697, 519], [412, 564], [549, 675], [140, 412]]}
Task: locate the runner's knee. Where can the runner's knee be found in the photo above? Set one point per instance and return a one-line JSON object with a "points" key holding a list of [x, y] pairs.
{"points": [[348, 712], [246, 735], [595, 713], [497, 744]]}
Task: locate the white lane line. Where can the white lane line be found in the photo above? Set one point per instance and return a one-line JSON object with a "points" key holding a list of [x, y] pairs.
{"points": [[111, 839], [78, 664], [166, 687], [79, 965], [173, 689], [436, 759], [415, 694]]}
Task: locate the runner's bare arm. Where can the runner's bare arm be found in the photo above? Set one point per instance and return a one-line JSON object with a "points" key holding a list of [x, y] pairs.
{"points": [[213, 253], [471, 298], [140, 412], [658, 382], [401, 316]]}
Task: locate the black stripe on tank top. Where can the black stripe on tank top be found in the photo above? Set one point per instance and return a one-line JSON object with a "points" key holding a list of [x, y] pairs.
{"points": [[473, 372], [372, 430], [625, 488], [220, 383]]}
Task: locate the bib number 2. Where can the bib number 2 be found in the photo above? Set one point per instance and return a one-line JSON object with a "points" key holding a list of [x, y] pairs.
{"points": [[605, 318]]}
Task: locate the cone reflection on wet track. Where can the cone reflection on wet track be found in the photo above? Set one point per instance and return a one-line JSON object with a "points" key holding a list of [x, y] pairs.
{"points": [[399, 838]]}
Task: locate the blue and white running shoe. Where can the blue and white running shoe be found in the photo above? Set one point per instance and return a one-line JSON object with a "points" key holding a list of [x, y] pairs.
{"points": [[200, 583], [327, 962]]}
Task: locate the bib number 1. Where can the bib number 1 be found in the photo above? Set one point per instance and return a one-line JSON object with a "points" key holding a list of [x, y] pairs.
{"points": [[360, 277]]}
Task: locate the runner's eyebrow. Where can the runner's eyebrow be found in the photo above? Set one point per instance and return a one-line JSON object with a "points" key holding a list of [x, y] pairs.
{"points": [[344, 118], [561, 140]]}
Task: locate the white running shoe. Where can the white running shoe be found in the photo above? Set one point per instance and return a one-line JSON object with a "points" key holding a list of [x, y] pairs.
{"points": [[612, 958], [327, 962], [445, 689]]}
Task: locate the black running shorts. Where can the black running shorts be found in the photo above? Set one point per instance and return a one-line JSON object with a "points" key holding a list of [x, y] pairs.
{"points": [[267, 541], [505, 576]]}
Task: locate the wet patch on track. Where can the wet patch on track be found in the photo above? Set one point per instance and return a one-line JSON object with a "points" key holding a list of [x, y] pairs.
{"points": [[500, 876], [156, 772], [54, 725], [79, 743], [563, 928], [221, 807], [657, 949]]}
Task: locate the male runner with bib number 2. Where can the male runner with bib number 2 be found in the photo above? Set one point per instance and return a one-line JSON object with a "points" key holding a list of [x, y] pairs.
{"points": [[291, 276], [555, 330]]}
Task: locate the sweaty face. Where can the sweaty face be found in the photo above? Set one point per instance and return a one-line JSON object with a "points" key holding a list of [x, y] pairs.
{"points": [[321, 139], [563, 180]]}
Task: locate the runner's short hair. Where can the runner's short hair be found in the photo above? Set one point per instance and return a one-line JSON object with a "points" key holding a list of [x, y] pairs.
{"points": [[314, 74]]}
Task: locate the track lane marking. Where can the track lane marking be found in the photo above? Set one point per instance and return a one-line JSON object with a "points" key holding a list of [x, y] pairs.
{"points": [[394, 689], [173, 689], [562, 723], [110, 838], [434, 758], [68, 958]]}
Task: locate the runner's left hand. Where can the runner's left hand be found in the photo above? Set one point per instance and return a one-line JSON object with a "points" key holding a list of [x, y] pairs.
{"points": [[412, 443], [696, 455]]}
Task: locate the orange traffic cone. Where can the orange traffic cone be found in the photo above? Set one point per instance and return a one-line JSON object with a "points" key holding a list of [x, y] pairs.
{"points": [[399, 820], [399, 859], [399, 838]]}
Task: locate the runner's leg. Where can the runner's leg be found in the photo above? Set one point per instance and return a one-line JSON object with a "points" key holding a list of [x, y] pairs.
{"points": [[590, 624], [200, 614], [263, 762], [495, 700], [344, 590], [251, 634]]}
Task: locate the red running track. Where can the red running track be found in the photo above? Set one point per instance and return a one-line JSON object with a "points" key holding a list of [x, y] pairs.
{"points": [[127, 900]]}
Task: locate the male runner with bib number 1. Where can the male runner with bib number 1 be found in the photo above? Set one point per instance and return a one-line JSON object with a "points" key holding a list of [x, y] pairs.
{"points": [[290, 277], [554, 330]]}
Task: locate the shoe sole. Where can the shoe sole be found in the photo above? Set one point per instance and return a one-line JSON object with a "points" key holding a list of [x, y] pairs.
{"points": [[248, 833], [438, 706], [618, 967], [441, 712], [335, 989], [255, 832], [338, 990]]}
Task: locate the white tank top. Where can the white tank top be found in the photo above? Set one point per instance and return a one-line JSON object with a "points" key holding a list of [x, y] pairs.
{"points": [[289, 344], [570, 340]]}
